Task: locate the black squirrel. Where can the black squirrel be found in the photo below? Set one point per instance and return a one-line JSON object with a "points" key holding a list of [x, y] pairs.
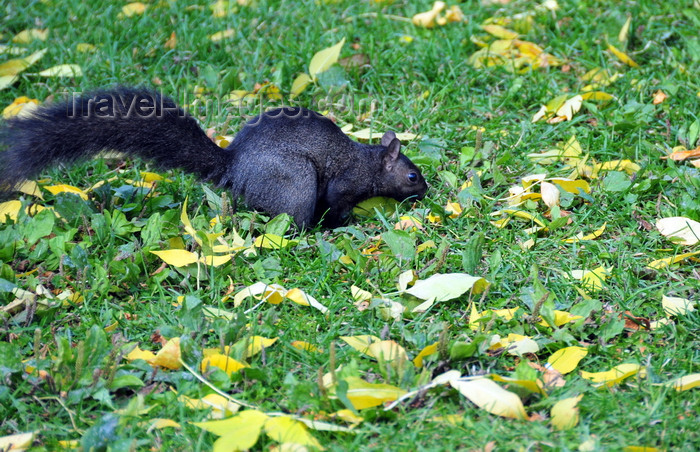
{"points": [[288, 160]]}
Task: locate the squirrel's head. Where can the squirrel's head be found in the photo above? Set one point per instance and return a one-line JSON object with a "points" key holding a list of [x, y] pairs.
{"points": [[401, 179]]}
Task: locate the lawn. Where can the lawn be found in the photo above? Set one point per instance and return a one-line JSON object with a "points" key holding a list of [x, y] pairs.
{"points": [[541, 297]]}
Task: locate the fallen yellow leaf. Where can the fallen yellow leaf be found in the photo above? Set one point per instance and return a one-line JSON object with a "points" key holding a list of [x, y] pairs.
{"points": [[33, 34], [171, 42], [514, 344], [622, 56], [303, 345], [491, 397], [428, 19], [624, 31], [62, 70], [298, 296], [613, 376], [592, 280], [447, 286], [409, 223], [221, 35], [137, 353], [31, 188], [565, 413], [570, 107], [681, 230], [580, 236], [9, 209], [665, 262], [572, 186], [659, 97], [284, 429], [159, 423], [520, 214], [427, 351], [550, 194], [299, 85], [359, 294], [85, 47], [685, 382], [168, 356], [681, 153], [369, 134], [324, 59], [676, 305], [223, 362], [256, 344], [177, 258], [220, 405], [386, 351], [571, 150], [597, 95], [17, 442], [365, 395], [273, 242], [499, 31], [133, 9], [63, 188], [272, 293], [360, 343], [453, 14], [625, 165], [566, 359], [21, 106], [215, 261], [239, 432], [347, 416], [541, 113], [535, 386], [10, 69]]}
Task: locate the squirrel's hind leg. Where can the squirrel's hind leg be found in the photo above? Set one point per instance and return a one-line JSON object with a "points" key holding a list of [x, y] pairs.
{"points": [[290, 187]]}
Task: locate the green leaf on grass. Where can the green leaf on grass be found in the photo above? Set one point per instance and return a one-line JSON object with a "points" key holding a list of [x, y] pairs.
{"points": [[447, 286], [324, 59]]}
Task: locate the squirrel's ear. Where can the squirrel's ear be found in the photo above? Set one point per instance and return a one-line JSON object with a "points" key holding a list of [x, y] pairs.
{"points": [[388, 138], [391, 154]]}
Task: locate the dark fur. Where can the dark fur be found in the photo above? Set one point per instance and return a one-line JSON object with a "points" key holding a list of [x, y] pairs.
{"points": [[289, 160]]}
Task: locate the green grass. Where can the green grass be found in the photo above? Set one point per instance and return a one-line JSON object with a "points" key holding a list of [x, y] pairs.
{"points": [[100, 247]]}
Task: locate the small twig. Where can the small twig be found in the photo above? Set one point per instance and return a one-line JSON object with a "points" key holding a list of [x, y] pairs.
{"points": [[254, 307], [376, 15], [520, 138], [214, 388], [70, 413], [483, 295]]}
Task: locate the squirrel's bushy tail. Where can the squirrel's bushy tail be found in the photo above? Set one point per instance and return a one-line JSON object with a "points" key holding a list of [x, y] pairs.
{"points": [[134, 121]]}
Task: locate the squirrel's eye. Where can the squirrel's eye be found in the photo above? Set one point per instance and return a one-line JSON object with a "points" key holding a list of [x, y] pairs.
{"points": [[412, 177]]}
